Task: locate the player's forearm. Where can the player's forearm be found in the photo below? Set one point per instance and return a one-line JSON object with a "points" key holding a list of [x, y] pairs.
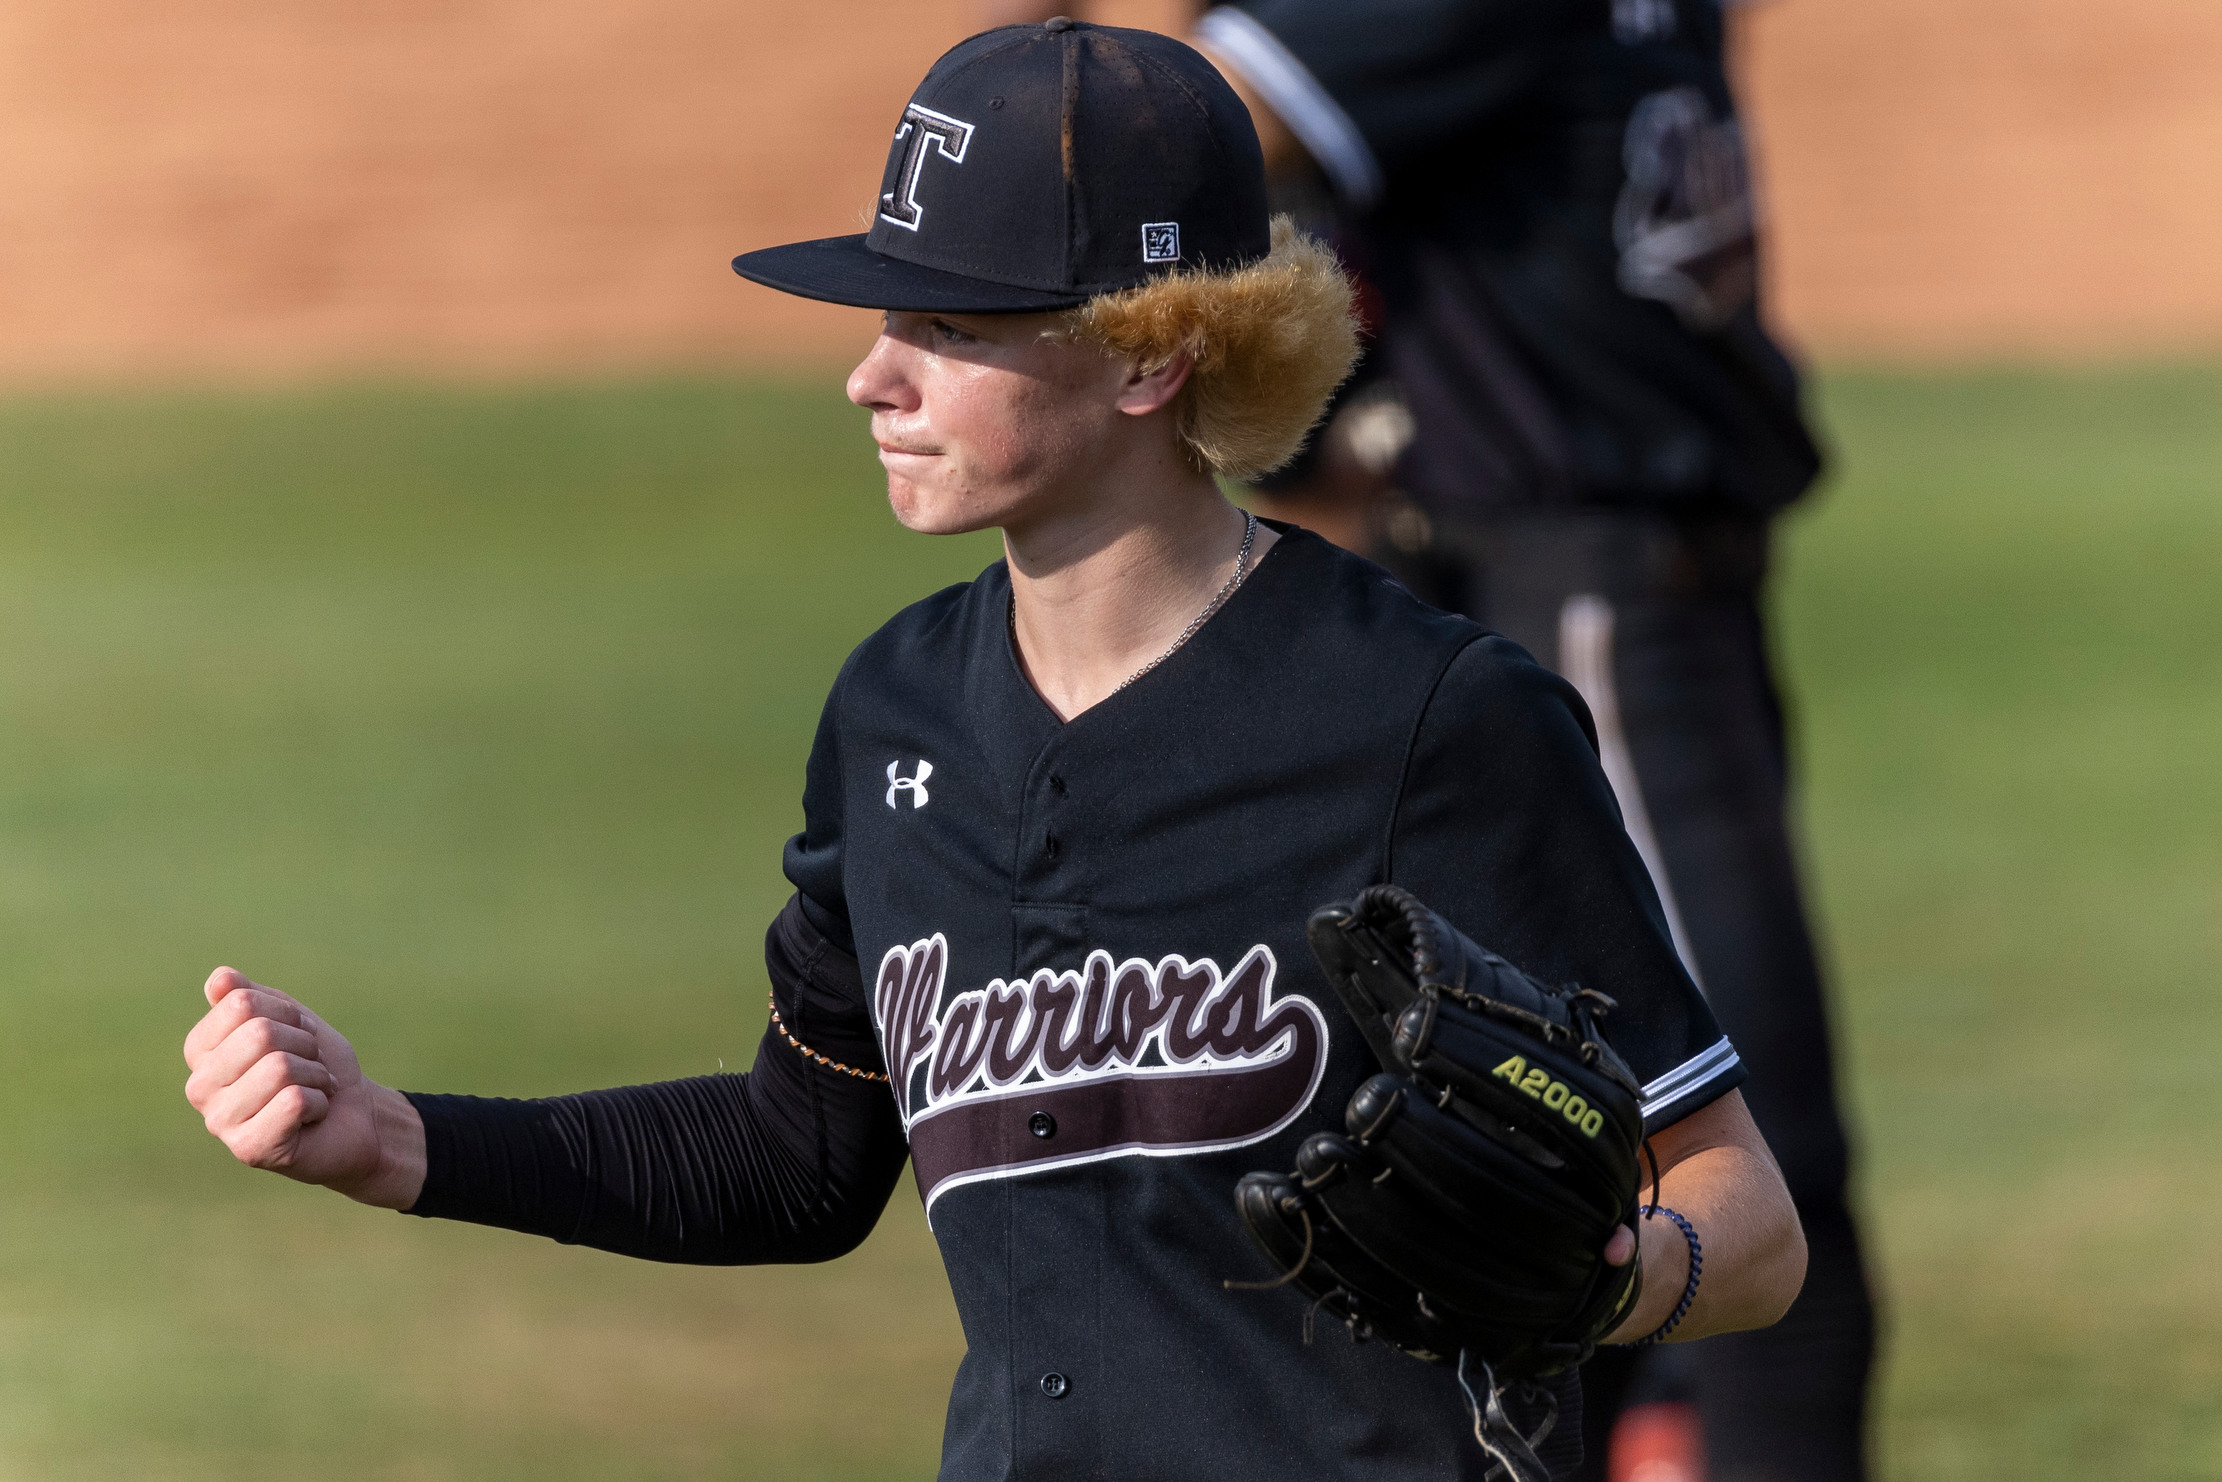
{"points": [[792, 1162], [1753, 1250], [714, 1170], [1722, 1179]]}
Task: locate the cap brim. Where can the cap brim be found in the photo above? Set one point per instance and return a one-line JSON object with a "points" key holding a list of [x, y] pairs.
{"points": [[842, 270]]}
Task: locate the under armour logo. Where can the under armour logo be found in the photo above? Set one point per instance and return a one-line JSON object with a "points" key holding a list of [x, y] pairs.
{"points": [[951, 137], [915, 786]]}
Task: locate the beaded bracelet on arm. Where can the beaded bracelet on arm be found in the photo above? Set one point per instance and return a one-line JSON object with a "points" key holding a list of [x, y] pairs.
{"points": [[1689, 1289], [826, 1060]]}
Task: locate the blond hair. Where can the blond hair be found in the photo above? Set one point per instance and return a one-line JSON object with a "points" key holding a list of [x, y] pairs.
{"points": [[1270, 343]]}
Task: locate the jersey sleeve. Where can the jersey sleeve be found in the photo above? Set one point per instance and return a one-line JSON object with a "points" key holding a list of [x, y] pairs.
{"points": [[813, 859], [1507, 826], [1366, 87], [792, 1161]]}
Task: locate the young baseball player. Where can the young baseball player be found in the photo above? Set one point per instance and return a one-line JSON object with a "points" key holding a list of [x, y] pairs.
{"points": [[1064, 825]]}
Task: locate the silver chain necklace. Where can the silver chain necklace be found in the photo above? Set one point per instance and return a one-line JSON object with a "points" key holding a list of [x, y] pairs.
{"points": [[1241, 570]]}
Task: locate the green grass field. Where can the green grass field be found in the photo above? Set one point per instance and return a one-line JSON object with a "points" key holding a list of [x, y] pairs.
{"points": [[477, 718]]}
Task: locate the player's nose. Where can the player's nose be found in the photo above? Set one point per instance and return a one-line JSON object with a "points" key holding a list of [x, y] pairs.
{"points": [[881, 381]]}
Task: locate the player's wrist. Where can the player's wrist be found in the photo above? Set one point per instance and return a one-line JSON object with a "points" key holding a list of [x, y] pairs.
{"points": [[396, 1178], [1663, 1255]]}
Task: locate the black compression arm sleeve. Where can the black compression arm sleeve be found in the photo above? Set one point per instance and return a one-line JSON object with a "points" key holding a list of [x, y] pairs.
{"points": [[793, 1161]]}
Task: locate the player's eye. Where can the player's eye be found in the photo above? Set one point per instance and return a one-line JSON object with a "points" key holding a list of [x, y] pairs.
{"points": [[953, 335]]}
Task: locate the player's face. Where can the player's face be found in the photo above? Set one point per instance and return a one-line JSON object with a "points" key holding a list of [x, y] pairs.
{"points": [[988, 419]]}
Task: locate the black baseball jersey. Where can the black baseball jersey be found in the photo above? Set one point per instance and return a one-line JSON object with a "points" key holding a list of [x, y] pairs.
{"points": [[1082, 945], [1553, 200]]}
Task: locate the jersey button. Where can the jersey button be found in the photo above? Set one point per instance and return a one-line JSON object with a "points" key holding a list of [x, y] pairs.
{"points": [[1054, 1385], [1042, 1124], [1049, 845], [1056, 784]]}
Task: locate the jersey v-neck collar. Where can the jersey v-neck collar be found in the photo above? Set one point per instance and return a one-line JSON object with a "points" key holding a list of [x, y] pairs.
{"points": [[1235, 608]]}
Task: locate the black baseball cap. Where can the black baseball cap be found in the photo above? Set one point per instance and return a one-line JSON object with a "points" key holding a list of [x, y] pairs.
{"points": [[1038, 166]]}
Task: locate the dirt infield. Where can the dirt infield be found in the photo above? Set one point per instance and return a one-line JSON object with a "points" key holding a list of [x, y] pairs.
{"points": [[248, 186]]}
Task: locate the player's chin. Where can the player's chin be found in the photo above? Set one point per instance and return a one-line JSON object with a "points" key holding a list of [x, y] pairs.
{"points": [[929, 510]]}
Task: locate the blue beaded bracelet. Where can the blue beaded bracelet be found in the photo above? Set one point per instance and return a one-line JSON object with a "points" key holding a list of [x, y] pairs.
{"points": [[1689, 1292]]}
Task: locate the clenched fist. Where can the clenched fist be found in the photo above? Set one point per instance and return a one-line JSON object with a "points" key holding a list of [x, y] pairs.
{"points": [[281, 1089]]}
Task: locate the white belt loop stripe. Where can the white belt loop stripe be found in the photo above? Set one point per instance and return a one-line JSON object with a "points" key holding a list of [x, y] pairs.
{"points": [[1585, 627]]}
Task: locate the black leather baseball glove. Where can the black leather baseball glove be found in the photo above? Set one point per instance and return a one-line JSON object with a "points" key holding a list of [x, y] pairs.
{"points": [[1463, 1214]]}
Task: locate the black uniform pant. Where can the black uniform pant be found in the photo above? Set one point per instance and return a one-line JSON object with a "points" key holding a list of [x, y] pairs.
{"points": [[1660, 626]]}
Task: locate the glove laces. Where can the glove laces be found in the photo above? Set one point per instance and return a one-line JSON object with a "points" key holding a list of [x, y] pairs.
{"points": [[1513, 1454]]}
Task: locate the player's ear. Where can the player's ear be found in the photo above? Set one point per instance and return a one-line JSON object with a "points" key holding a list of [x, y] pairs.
{"points": [[1147, 391]]}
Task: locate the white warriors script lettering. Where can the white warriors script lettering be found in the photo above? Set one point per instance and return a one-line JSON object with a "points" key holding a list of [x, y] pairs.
{"points": [[1132, 1018]]}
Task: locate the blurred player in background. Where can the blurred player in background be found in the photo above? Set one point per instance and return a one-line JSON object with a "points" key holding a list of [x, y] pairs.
{"points": [[1573, 427]]}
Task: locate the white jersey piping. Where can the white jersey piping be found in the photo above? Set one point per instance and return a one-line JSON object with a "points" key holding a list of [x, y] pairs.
{"points": [[1690, 1077]]}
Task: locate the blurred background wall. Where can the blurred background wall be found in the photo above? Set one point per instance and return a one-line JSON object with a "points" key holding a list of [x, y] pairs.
{"points": [[247, 186]]}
